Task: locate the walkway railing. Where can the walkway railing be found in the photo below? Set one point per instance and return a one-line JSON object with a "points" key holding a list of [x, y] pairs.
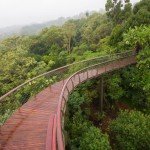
{"points": [[105, 65], [26, 91], [79, 71]]}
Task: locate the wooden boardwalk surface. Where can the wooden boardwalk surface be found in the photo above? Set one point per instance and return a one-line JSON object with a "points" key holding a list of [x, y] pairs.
{"points": [[30, 127], [27, 128]]}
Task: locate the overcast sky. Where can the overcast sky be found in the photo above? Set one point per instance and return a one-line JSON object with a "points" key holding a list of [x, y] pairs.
{"points": [[23, 12]]}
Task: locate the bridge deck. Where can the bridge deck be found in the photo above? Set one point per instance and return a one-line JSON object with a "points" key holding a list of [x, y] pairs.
{"points": [[29, 127]]}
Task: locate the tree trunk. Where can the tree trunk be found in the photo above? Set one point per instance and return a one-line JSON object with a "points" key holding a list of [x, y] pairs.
{"points": [[102, 94], [69, 46]]}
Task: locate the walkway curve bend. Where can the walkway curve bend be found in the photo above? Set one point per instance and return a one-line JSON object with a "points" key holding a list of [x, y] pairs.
{"points": [[39, 123]]}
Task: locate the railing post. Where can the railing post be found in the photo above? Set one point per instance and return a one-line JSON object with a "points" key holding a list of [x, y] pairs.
{"points": [[97, 71], [87, 74], [67, 90], [72, 83], [64, 99], [79, 78]]}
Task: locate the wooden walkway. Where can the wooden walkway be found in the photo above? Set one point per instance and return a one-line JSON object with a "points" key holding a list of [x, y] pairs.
{"points": [[27, 128], [30, 127]]}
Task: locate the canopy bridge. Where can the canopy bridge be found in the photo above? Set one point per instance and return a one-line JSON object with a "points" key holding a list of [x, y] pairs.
{"points": [[38, 120]]}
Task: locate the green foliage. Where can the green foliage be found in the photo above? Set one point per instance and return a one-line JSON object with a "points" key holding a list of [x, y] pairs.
{"points": [[114, 89], [93, 139], [141, 14], [104, 47], [48, 41], [76, 127], [4, 117], [144, 59], [20, 68], [24, 57], [75, 101], [116, 35], [137, 36], [83, 96], [131, 131], [82, 133], [124, 17], [136, 82], [144, 67], [80, 130], [38, 47], [69, 32], [133, 85], [117, 11], [96, 28]]}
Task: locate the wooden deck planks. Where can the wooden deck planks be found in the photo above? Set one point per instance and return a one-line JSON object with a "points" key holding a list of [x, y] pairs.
{"points": [[27, 127]]}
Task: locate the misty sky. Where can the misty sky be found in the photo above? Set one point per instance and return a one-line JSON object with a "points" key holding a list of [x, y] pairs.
{"points": [[23, 12]]}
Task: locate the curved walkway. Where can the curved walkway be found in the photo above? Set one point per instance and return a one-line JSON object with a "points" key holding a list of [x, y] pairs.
{"points": [[31, 126]]}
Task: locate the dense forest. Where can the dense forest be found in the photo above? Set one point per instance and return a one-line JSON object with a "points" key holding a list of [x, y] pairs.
{"points": [[124, 121]]}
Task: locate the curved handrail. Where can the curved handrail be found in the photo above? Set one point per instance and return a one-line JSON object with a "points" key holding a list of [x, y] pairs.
{"points": [[86, 64], [63, 100], [52, 72], [44, 74]]}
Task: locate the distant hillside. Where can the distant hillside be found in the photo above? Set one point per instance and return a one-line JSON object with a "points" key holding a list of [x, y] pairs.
{"points": [[9, 31], [30, 29], [35, 28]]}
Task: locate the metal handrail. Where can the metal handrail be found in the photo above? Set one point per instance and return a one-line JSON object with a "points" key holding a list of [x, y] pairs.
{"points": [[61, 107], [44, 74], [51, 72]]}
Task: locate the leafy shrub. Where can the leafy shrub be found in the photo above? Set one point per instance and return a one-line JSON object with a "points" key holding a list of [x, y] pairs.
{"points": [[136, 86], [116, 35], [84, 136], [144, 59], [80, 49], [75, 100], [83, 95], [81, 133], [4, 117], [93, 139], [144, 67], [138, 35], [114, 89], [131, 131], [76, 127]]}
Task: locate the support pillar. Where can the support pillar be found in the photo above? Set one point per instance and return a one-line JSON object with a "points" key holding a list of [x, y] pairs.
{"points": [[101, 94]]}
